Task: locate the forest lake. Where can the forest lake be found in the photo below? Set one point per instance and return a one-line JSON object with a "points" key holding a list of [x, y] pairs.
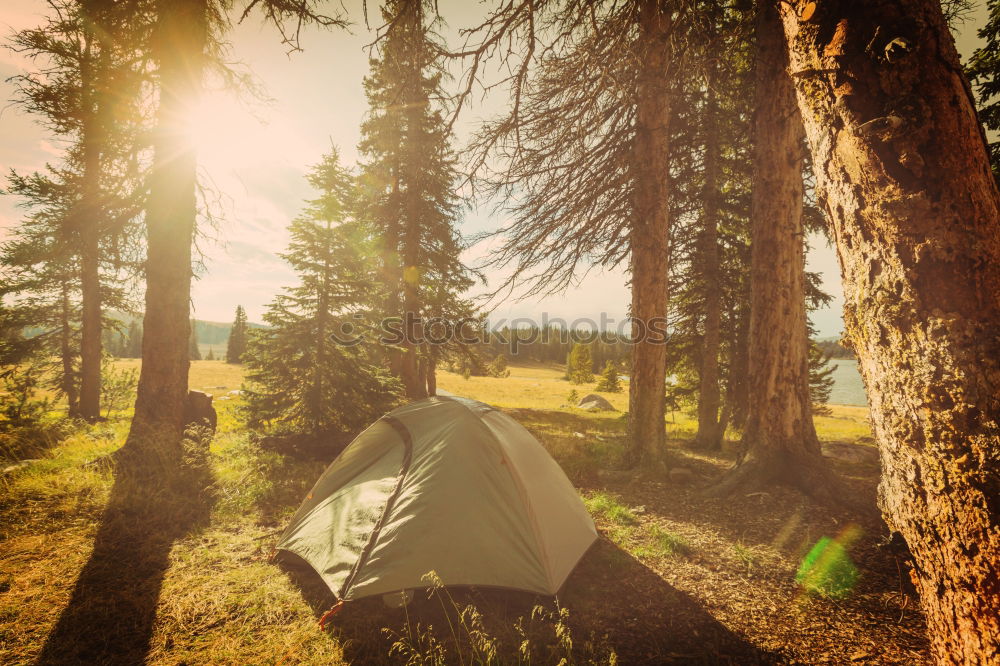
{"points": [[848, 389]]}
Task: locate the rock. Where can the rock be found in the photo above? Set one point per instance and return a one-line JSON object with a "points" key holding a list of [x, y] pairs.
{"points": [[615, 476], [596, 403], [199, 410], [237, 392]]}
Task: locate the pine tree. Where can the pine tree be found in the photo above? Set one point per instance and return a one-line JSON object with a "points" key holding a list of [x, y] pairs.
{"points": [[237, 343], [498, 367], [300, 378], [193, 351], [409, 176], [133, 344], [87, 93], [609, 382], [183, 44], [581, 364], [211, 355]]}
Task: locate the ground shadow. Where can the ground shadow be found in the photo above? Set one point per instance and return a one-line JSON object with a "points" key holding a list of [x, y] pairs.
{"points": [[110, 615], [614, 603]]}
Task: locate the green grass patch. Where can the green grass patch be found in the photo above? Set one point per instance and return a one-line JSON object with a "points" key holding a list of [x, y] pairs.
{"points": [[606, 506]]}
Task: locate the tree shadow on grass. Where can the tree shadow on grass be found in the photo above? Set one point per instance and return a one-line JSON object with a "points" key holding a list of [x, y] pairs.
{"points": [[614, 603], [110, 615]]}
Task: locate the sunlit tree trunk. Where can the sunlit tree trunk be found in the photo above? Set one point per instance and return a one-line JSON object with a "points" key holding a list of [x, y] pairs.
{"points": [[431, 375], [903, 174], [88, 222], [709, 426], [178, 48], [650, 237], [779, 439]]}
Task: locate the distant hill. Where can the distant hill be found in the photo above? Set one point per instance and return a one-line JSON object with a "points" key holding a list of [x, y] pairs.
{"points": [[833, 347]]}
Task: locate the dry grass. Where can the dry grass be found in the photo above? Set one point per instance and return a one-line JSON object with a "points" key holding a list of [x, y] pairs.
{"points": [[674, 577]]}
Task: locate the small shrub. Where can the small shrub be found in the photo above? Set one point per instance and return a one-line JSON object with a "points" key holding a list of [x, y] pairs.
{"points": [[117, 386], [573, 398], [498, 367]]}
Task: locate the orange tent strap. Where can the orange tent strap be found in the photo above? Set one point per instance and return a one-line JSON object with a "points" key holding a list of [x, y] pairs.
{"points": [[330, 613]]}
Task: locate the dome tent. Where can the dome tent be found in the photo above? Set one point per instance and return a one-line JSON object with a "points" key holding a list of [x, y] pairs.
{"points": [[444, 484]]}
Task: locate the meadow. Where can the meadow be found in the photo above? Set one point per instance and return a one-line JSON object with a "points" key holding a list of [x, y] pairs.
{"points": [[675, 577]]}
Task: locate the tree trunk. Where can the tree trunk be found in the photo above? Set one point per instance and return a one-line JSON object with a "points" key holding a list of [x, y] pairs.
{"points": [[779, 440], [431, 375], [158, 424], [903, 173], [709, 431], [650, 239], [88, 226], [66, 354]]}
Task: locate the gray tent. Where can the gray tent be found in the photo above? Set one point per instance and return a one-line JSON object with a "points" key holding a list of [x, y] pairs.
{"points": [[448, 485]]}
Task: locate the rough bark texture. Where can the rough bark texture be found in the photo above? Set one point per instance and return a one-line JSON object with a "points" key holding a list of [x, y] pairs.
{"points": [[779, 440], [904, 176], [709, 426], [89, 227], [158, 424], [650, 238]]}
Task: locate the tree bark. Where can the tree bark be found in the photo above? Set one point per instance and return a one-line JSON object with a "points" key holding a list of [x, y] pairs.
{"points": [[431, 375], [779, 440], [904, 177], [158, 424], [709, 399], [88, 222], [650, 238], [69, 385]]}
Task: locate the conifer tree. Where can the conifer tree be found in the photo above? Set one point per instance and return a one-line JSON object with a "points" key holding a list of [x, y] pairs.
{"points": [[581, 364], [133, 344], [87, 93], [583, 170], [236, 346], [409, 177], [300, 376], [610, 382]]}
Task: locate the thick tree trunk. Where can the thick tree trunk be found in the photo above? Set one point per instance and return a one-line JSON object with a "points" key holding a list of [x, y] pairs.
{"points": [[650, 239], [779, 440], [158, 424], [709, 428], [88, 223], [904, 177]]}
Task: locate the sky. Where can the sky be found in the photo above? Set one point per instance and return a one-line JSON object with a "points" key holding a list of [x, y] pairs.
{"points": [[254, 155]]}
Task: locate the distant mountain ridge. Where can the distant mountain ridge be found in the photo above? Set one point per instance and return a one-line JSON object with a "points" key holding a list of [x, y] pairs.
{"points": [[205, 332]]}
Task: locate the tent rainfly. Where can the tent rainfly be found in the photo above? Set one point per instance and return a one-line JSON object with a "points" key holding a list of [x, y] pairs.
{"points": [[448, 485]]}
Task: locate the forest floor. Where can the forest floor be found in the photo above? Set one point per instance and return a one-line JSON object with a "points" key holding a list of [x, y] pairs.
{"points": [[87, 576]]}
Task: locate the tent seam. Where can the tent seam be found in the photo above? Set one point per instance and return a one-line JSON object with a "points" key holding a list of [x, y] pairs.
{"points": [[366, 552]]}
